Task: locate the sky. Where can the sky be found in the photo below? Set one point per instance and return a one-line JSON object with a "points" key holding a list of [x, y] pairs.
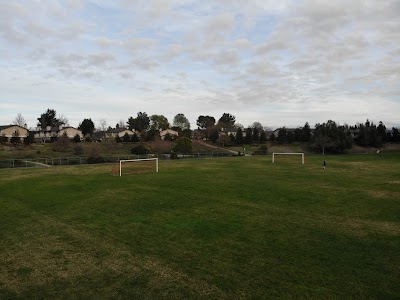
{"points": [[280, 63]]}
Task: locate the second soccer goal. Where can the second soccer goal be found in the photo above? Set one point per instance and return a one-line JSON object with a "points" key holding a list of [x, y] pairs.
{"points": [[288, 154], [135, 166]]}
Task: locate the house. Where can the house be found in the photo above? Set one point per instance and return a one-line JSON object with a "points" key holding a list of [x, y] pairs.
{"points": [[171, 132], [46, 133], [113, 133], [71, 132], [232, 131], [13, 130], [99, 135]]}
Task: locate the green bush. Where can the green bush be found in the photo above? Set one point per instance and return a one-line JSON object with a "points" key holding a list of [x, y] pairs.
{"points": [[77, 138], [183, 145], [263, 150], [140, 149]]}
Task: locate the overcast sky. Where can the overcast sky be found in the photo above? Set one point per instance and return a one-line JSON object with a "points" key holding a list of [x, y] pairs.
{"points": [[277, 62]]}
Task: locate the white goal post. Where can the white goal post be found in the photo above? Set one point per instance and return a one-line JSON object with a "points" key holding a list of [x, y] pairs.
{"points": [[300, 153], [149, 167]]}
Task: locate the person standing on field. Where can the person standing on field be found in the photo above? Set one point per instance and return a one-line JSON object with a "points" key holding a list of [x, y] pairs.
{"points": [[324, 165]]}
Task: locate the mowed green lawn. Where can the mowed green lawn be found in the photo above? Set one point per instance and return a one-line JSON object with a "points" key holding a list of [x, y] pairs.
{"points": [[228, 228]]}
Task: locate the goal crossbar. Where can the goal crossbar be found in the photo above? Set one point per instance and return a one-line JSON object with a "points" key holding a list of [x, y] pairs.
{"points": [[137, 160], [299, 153]]}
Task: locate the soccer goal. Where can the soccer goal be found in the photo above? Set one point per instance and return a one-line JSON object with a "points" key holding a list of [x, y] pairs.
{"points": [[135, 166], [279, 154]]}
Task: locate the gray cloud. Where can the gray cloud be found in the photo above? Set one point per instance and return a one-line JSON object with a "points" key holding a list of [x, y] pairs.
{"points": [[248, 53]]}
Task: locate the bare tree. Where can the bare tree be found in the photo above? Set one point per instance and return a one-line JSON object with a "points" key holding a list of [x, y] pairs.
{"points": [[64, 120], [19, 120], [102, 125], [238, 125], [121, 124]]}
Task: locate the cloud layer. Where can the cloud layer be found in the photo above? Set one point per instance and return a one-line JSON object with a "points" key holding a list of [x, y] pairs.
{"points": [[276, 62]]}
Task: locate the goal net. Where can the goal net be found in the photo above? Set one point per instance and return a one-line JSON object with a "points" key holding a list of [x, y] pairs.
{"points": [[135, 166], [288, 157]]}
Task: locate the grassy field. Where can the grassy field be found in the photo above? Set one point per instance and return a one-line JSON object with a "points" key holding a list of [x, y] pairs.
{"points": [[229, 228]]}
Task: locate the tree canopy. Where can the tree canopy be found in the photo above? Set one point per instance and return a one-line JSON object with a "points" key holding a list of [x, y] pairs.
{"points": [[140, 123], [49, 118], [87, 127], [329, 137], [181, 121], [158, 122], [227, 120], [204, 122]]}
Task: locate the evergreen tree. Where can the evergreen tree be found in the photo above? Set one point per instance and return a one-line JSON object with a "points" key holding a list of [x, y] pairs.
{"points": [[239, 136], [306, 133], [140, 123], [232, 138], [227, 120], [87, 127], [49, 118], [395, 135], [30, 139], [214, 136], [282, 135], [256, 135], [15, 139], [272, 138], [126, 138], [263, 137], [249, 136], [381, 131]]}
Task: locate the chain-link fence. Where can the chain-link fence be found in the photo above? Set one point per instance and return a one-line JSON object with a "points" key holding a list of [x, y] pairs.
{"points": [[62, 161]]}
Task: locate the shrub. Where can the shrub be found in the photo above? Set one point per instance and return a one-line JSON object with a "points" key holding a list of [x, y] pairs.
{"points": [[140, 149], [134, 138], [126, 138], [3, 139], [61, 145], [263, 150], [77, 138], [30, 139], [174, 156], [183, 145]]}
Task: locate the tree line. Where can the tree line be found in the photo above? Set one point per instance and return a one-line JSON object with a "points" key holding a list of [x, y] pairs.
{"points": [[328, 136]]}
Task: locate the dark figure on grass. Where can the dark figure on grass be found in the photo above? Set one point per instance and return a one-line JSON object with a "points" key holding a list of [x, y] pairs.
{"points": [[324, 165]]}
